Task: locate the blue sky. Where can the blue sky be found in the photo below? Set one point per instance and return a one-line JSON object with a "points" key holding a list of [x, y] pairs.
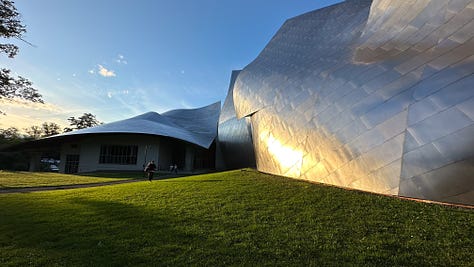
{"points": [[117, 59]]}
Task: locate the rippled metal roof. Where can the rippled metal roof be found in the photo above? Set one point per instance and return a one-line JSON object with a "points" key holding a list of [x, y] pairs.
{"points": [[197, 126]]}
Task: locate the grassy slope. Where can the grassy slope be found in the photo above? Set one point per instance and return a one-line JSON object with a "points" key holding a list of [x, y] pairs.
{"points": [[233, 218], [32, 179]]}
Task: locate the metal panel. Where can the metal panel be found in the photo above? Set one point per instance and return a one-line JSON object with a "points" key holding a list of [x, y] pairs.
{"points": [[439, 125]]}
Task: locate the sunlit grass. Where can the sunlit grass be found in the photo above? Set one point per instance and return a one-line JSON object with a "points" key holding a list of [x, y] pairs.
{"points": [[232, 218], [35, 179]]}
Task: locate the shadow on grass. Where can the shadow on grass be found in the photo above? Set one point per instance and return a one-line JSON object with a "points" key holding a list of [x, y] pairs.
{"points": [[125, 175], [88, 233], [191, 181], [138, 175]]}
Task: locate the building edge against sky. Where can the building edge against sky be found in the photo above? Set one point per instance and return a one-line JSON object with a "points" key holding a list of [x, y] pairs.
{"points": [[372, 95]]}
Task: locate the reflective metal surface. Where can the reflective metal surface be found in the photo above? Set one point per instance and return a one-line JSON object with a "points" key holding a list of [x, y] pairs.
{"points": [[234, 146], [376, 96], [197, 126]]}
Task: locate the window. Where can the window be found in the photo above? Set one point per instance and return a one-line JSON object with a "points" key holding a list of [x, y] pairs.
{"points": [[116, 154]]}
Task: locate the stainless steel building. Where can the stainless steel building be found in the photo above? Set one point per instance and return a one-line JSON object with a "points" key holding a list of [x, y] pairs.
{"points": [[371, 95]]}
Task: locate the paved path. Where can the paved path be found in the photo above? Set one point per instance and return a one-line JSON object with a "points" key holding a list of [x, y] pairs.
{"points": [[73, 186], [60, 187]]}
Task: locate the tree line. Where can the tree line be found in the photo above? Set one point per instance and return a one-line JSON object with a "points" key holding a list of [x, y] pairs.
{"points": [[13, 135], [19, 160]]}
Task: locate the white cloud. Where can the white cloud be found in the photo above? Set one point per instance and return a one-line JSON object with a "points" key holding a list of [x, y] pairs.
{"points": [[105, 72], [121, 60], [91, 71]]}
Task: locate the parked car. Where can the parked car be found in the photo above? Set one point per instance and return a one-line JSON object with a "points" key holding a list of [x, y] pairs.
{"points": [[53, 168]]}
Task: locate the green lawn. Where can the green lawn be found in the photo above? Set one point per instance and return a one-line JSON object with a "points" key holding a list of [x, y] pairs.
{"points": [[34, 179], [237, 218]]}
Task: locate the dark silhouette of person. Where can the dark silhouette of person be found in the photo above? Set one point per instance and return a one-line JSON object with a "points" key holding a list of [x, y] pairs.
{"points": [[175, 168], [150, 169]]}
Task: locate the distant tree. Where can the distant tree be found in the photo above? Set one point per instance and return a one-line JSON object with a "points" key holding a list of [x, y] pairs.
{"points": [[85, 121], [11, 27], [10, 135], [50, 128], [46, 129], [34, 132], [13, 160]]}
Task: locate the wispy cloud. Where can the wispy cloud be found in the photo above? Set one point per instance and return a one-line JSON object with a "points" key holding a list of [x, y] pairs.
{"points": [[111, 93], [105, 72], [23, 114], [186, 105], [121, 60], [19, 103]]}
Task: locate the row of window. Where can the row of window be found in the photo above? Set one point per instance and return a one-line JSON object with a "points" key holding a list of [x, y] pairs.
{"points": [[127, 155], [116, 154]]}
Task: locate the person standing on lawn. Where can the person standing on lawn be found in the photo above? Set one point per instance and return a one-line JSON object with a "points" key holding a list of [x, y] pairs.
{"points": [[150, 169]]}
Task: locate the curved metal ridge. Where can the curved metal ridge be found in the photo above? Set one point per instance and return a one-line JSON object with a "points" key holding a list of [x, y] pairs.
{"points": [[228, 108], [196, 126], [372, 95]]}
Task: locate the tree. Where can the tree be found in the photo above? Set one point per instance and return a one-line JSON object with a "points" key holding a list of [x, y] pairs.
{"points": [[11, 27], [10, 136], [46, 129], [34, 132], [12, 160], [85, 121], [50, 128]]}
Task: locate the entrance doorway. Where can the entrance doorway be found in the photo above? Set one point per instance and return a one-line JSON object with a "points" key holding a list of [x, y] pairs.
{"points": [[72, 164]]}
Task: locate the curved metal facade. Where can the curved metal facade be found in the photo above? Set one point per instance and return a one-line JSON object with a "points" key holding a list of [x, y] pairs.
{"points": [[376, 96], [234, 146], [196, 126]]}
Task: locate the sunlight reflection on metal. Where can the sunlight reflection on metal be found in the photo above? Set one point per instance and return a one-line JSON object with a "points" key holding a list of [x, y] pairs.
{"points": [[289, 159]]}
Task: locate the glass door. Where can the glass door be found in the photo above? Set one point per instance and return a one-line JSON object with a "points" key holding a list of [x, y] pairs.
{"points": [[72, 164]]}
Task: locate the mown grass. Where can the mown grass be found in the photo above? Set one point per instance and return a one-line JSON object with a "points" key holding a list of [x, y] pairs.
{"points": [[10, 179], [239, 218]]}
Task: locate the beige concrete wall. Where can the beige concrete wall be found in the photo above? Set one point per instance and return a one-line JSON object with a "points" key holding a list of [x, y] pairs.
{"points": [[89, 150]]}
